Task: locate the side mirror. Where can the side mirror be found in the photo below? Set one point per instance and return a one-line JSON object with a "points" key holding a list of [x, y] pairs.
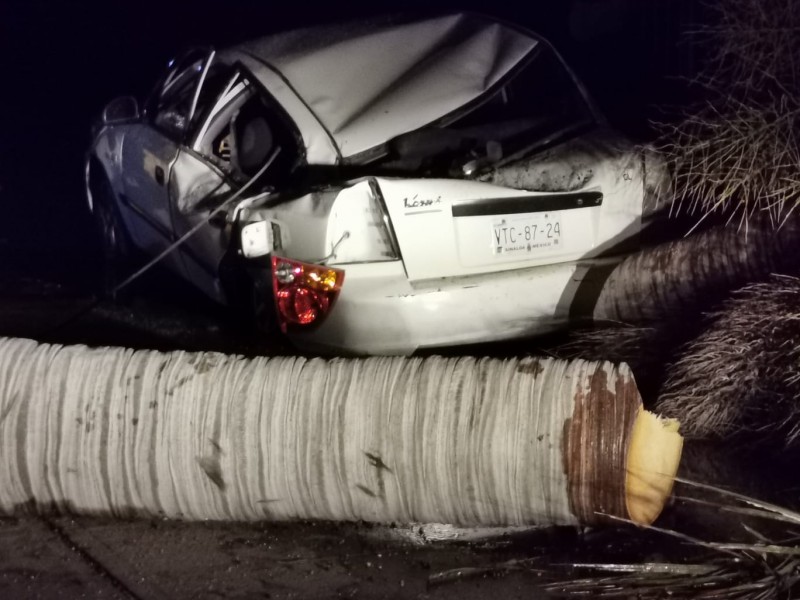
{"points": [[119, 110]]}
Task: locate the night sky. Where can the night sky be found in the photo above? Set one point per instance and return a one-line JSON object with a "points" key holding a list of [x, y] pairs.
{"points": [[62, 61]]}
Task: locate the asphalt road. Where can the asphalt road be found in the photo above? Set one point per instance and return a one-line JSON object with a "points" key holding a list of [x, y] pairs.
{"points": [[154, 560], [74, 558], [68, 557]]}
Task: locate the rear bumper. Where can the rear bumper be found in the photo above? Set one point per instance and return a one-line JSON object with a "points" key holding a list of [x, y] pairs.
{"points": [[380, 312]]}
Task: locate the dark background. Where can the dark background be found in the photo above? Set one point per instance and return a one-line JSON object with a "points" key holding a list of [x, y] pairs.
{"points": [[62, 61]]}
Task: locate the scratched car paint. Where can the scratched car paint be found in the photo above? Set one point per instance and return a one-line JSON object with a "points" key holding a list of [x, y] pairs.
{"points": [[455, 190]]}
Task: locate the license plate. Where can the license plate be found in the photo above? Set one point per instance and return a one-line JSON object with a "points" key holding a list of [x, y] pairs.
{"points": [[528, 234]]}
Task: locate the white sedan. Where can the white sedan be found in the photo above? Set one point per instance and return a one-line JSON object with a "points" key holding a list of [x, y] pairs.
{"points": [[377, 187]]}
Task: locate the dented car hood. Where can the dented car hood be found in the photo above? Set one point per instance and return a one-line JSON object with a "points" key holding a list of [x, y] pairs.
{"points": [[367, 83]]}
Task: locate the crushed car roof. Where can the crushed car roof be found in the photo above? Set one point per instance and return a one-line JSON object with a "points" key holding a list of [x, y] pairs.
{"points": [[371, 81]]}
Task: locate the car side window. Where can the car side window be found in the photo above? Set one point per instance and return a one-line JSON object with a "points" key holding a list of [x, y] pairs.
{"points": [[241, 130], [172, 107]]}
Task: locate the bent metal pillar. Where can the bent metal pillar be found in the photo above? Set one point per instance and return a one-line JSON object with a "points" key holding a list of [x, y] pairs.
{"points": [[464, 440]]}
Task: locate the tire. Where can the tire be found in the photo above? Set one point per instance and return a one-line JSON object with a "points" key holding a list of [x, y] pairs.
{"points": [[116, 246]]}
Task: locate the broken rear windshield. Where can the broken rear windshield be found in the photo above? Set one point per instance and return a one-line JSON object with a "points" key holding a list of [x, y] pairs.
{"points": [[539, 102]]}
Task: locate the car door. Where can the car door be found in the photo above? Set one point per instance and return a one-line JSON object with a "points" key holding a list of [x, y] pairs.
{"points": [[201, 183], [150, 150], [209, 169]]}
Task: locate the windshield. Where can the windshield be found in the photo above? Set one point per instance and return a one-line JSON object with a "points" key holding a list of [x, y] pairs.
{"points": [[539, 102]]}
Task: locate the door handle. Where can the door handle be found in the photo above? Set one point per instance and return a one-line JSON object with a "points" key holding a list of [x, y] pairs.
{"points": [[159, 175]]}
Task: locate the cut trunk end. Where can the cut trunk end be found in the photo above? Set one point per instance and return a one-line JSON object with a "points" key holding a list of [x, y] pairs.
{"points": [[653, 458], [620, 460]]}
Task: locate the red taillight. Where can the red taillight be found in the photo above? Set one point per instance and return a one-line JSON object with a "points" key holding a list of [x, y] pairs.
{"points": [[304, 293]]}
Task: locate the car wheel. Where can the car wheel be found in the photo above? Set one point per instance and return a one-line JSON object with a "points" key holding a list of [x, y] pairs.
{"points": [[115, 243]]}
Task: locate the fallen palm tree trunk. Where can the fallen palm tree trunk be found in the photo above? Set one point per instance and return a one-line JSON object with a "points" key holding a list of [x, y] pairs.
{"points": [[646, 307], [209, 436], [683, 277]]}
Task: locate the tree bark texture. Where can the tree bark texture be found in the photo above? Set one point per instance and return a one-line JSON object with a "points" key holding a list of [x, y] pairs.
{"points": [[208, 436]]}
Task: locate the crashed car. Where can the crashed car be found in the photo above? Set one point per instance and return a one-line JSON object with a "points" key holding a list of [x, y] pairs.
{"points": [[376, 187]]}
